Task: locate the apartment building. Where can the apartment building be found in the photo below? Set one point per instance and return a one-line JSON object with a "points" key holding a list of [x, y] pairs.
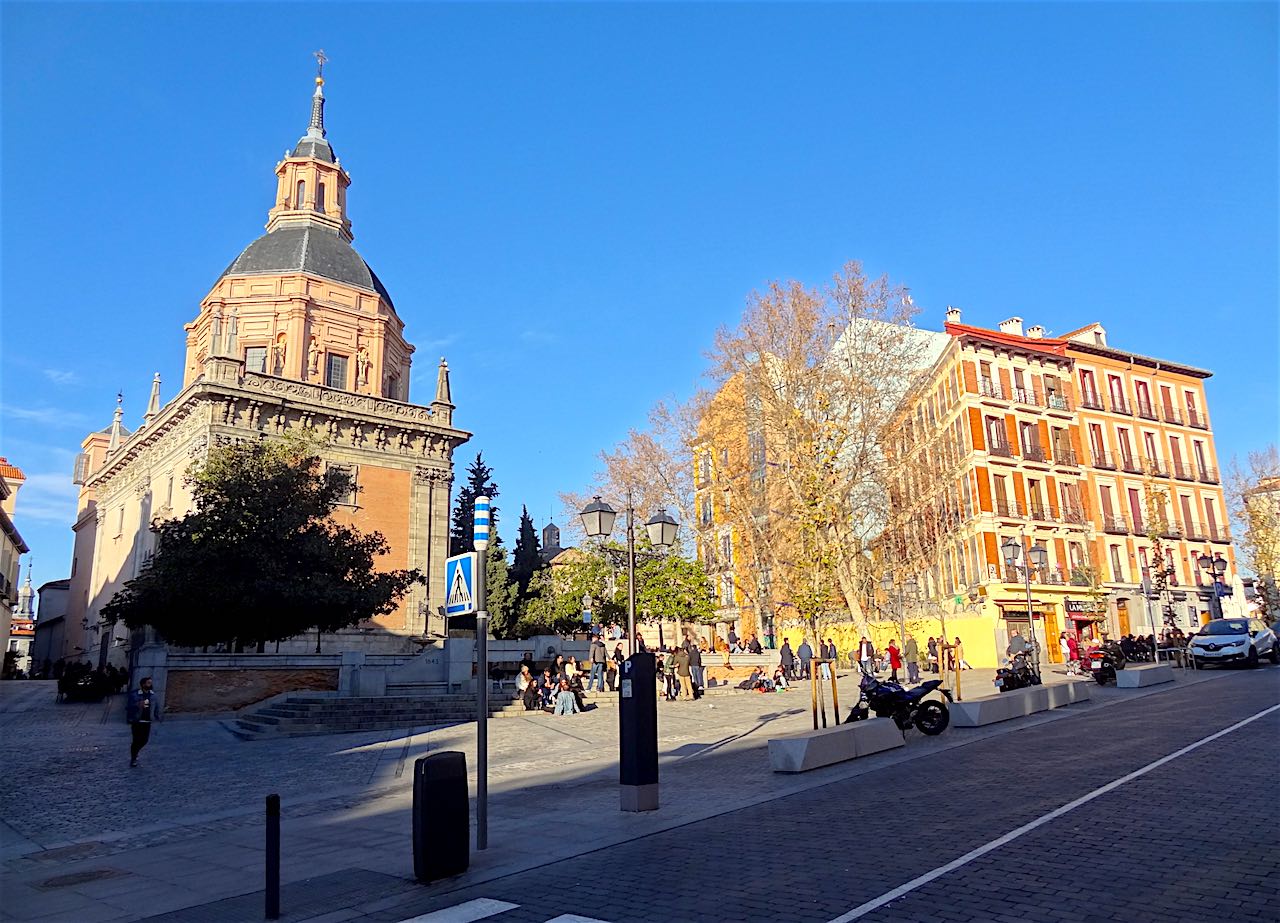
{"points": [[1150, 457]]}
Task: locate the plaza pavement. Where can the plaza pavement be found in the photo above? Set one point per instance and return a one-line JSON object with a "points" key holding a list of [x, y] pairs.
{"points": [[88, 839]]}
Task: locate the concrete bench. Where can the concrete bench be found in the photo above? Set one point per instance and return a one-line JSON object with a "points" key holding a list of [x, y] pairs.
{"points": [[1149, 674], [1016, 704], [814, 749]]}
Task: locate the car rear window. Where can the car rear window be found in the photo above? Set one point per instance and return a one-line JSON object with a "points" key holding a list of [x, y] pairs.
{"points": [[1226, 627]]}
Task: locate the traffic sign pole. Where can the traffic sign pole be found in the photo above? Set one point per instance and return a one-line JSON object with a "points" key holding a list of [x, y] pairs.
{"points": [[481, 542]]}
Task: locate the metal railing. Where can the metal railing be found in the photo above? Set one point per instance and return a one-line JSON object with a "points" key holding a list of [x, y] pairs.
{"points": [[1066, 458], [1146, 411], [1156, 467], [1130, 463], [1104, 460], [1033, 453], [1026, 396], [1116, 525], [1182, 471], [1073, 515], [1208, 474], [1171, 415], [1009, 510], [989, 388], [1000, 448], [1055, 401], [1090, 401], [1196, 420], [1119, 405]]}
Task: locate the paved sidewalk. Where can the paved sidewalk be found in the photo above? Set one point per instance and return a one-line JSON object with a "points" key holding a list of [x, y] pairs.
{"points": [[185, 829]]}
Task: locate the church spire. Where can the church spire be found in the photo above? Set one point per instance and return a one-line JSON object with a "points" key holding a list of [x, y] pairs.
{"points": [[311, 186], [316, 128]]}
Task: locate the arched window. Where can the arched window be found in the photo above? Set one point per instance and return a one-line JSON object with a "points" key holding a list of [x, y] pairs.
{"points": [[302, 194], [320, 197]]}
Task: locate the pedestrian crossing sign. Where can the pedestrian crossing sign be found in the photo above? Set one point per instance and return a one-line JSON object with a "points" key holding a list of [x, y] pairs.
{"points": [[460, 584]]}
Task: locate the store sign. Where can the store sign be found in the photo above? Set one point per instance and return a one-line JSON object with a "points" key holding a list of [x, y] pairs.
{"points": [[1085, 606]]}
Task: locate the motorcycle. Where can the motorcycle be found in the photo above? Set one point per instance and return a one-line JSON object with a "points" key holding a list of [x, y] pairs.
{"points": [[905, 706], [1017, 675], [1105, 660]]}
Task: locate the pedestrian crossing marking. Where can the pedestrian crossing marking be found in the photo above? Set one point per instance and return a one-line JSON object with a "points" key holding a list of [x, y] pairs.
{"points": [[484, 907], [479, 909]]}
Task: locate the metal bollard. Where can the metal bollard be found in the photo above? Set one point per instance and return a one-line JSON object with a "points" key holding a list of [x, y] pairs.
{"points": [[441, 816], [273, 858]]}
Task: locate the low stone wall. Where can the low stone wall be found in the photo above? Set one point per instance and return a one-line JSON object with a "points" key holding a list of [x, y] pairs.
{"points": [[196, 691]]}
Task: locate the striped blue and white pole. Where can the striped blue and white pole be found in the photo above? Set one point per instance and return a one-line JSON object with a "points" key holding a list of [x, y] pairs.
{"points": [[480, 534]]}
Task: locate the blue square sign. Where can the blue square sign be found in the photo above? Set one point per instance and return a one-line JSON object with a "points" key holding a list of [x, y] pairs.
{"points": [[460, 584]]}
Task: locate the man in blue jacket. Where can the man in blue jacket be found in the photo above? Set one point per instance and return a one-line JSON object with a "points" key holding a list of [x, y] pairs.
{"points": [[142, 708]]}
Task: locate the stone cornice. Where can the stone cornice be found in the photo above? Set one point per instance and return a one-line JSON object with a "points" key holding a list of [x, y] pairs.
{"points": [[271, 406]]}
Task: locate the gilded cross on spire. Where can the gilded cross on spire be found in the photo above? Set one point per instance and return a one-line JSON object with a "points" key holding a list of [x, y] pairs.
{"points": [[321, 60]]}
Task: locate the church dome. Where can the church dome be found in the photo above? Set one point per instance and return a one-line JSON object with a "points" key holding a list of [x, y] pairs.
{"points": [[307, 248]]}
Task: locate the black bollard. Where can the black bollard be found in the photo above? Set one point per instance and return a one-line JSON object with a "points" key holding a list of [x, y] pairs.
{"points": [[441, 816], [638, 734], [273, 857]]}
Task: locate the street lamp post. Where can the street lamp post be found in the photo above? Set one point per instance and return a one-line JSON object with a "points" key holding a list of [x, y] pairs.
{"points": [[1215, 566], [598, 518], [1036, 557]]}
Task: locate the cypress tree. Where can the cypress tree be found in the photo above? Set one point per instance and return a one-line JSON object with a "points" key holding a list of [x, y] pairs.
{"points": [[479, 482]]}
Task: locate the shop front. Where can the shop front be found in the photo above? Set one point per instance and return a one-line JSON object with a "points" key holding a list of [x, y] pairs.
{"points": [[1013, 617], [1087, 618]]}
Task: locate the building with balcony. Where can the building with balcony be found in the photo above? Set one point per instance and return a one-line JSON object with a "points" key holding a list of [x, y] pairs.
{"points": [[989, 450], [1147, 436], [12, 547]]}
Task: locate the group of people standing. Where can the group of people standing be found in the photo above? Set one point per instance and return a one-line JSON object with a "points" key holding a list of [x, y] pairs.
{"points": [[938, 655], [796, 664]]}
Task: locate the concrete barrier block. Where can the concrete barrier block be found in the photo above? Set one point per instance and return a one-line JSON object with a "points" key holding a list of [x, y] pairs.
{"points": [[1148, 674], [814, 749], [977, 712], [1058, 695], [1080, 690]]}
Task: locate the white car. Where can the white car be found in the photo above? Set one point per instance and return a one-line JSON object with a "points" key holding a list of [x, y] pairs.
{"points": [[1233, 640]]}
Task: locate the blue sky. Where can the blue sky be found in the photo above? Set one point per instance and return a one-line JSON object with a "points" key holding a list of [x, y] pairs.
{"points": [[567, 200]]}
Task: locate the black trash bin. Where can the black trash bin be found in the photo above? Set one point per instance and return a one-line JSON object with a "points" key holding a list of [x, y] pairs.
{"points": [[441, 816]]}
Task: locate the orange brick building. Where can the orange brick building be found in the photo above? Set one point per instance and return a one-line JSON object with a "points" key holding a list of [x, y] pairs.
{"points": [[298, 335]]}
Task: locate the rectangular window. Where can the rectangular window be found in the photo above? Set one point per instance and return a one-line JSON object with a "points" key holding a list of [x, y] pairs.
{"points": [[1117, 568], [352, 472], [335, 371], [255, 359], [726, 548]]}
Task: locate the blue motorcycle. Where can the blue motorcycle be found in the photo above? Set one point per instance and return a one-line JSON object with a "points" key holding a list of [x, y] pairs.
{"points": [[905, 706]]}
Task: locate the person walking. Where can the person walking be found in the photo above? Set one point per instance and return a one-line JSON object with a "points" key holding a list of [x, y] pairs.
{"points": [[957, 651], [866, 655], [932, 647], [805, 653], [786, 659], [911, 656], [141, 710], [1073, 653], [599, 654], [895, 660]]}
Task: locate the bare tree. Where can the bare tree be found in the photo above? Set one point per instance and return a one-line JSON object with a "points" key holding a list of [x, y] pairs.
{"points": [[1253, 502]]}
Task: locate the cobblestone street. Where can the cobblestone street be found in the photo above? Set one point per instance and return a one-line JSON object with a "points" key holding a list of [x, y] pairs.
{"points": [[183, 832]]}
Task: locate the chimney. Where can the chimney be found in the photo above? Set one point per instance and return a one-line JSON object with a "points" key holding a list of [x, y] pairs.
{"points": [[1036, 332], [1012, 326], [953, 315]]}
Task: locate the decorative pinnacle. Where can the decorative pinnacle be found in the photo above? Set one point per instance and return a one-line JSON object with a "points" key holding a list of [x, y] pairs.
{"points": [[316, 128]]}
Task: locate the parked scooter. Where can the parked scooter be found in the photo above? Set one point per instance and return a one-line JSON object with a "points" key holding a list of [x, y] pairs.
{"points": [[905, 706], [1017, 675], [1104, 660]]}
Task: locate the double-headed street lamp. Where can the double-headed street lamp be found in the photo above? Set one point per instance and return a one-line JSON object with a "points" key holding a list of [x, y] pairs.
{"points": [[598, 518], [1215, 566], [1036, 557]]}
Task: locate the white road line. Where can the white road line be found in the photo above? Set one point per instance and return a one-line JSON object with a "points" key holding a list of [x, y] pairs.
{"points": [[876, 903], [469, 912], [574, 918]]}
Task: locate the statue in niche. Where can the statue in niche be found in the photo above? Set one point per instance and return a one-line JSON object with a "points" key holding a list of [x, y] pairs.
{"points": [[278, 353], [362, 366], [313, 357]]}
